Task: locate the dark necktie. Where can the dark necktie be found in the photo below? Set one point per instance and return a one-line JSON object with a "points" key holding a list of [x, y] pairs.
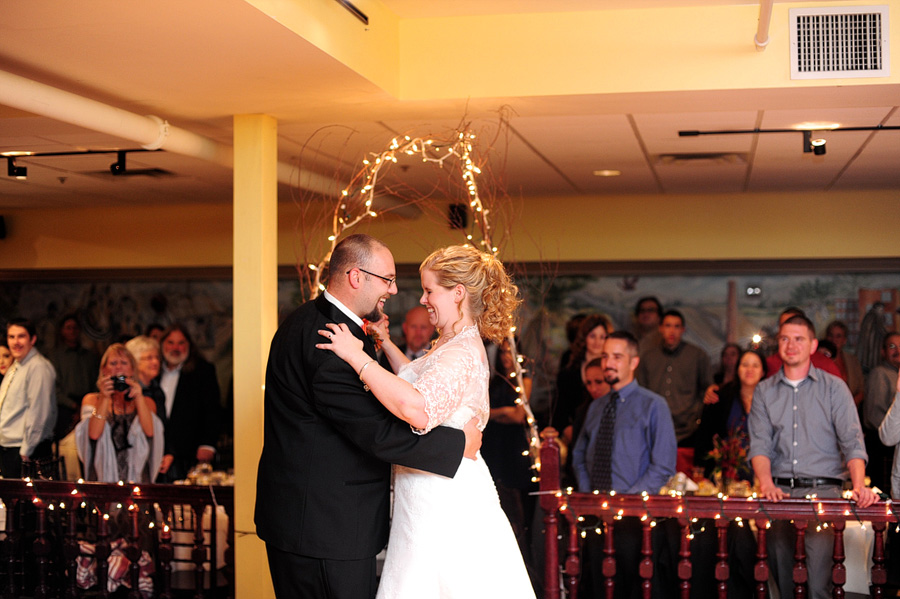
{"points": [[601, 473]]}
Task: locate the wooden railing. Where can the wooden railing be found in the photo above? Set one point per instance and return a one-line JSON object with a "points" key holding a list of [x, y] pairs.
{"points": [[565, 512], [48, 523]]}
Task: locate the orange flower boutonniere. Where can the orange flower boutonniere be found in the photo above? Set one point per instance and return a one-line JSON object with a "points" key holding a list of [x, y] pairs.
{"points": [[373, 334]]}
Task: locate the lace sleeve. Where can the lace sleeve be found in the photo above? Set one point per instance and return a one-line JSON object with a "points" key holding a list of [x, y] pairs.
{"points": [[445, 380]]}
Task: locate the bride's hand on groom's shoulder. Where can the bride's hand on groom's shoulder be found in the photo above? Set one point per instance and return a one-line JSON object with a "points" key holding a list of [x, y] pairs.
{"points": [[341, 341]]}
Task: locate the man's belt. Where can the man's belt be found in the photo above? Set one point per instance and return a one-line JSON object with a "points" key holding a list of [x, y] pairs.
{"points": [[809, 482]]}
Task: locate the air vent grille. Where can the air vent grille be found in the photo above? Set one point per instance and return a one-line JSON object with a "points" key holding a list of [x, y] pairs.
{"points": [[828, 43]]}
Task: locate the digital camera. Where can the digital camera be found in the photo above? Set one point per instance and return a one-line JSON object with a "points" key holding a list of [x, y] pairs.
{"points": [[120, 383]]}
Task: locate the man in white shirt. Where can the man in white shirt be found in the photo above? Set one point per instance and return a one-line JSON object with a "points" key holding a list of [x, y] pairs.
{"points": [[27, 402]]}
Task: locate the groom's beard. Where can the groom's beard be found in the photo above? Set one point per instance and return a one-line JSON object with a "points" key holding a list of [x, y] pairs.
{"points": [[375, 315]]}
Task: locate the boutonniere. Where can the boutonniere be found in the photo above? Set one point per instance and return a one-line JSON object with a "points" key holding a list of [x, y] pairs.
{"points": [[373, 334]]}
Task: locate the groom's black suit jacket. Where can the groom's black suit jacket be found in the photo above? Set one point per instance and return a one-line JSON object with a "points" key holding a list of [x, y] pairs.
{"points": [[324, 476]]}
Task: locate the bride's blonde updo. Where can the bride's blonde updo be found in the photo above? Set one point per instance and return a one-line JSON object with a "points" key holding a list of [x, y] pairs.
{"points": [[493, 297]]}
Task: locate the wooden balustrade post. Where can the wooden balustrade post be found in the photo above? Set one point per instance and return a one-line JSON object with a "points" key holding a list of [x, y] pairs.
{"points": [[879, 572], [609, 557], [838, 570], [133, 551], [800, 572], [549, 487], [722, 569], [198, 551], [11, 549], [685, 568], [761, 569], [41, 551], [101, 549], [573, 561], [71, 550], [645, 569], [165, 553]]}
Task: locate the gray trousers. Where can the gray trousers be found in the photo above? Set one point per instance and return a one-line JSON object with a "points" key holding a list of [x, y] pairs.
{"points": [[819, 548]]}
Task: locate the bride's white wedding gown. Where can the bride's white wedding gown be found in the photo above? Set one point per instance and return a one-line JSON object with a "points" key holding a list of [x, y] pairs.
{"points": [[449, 537]]}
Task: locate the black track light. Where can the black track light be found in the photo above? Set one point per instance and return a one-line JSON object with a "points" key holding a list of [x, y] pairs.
{"points": [[19, 172], [118, 167]]}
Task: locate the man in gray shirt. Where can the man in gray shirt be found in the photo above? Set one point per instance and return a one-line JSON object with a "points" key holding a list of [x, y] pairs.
{"points": [[879, 396], [805, 439]]}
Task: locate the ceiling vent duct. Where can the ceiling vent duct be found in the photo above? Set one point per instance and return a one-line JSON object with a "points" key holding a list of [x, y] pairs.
{"points": [[838, 42]]}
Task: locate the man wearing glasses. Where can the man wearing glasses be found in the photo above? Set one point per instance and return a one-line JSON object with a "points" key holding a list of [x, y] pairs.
{"points": [[322, 501]]}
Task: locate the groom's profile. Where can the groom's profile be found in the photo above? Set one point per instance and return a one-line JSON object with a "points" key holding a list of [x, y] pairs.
{"points": [[322, 496]]}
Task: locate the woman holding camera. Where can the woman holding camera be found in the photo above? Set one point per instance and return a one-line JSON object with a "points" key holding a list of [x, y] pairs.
{"points": [[119, 436]]}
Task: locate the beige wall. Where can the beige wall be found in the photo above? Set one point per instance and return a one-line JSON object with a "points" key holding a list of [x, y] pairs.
{"points": [[745, 226]]}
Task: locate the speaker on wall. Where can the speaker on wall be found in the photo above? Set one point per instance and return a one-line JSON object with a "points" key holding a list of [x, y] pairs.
{"points": [[2, 228], [457, 216]]}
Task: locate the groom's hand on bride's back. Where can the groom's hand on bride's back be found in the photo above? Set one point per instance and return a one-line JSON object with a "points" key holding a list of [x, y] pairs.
{"points": [[473, 439]]}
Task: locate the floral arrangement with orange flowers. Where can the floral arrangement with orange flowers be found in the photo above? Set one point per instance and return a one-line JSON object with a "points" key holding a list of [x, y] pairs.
{"points": [[729, 455]]}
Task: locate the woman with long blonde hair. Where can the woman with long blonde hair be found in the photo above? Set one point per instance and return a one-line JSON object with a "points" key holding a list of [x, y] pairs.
{"points": [[449, 537]]}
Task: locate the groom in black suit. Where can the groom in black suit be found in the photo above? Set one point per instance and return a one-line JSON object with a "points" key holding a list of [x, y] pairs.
{"points": [[322, 495]]}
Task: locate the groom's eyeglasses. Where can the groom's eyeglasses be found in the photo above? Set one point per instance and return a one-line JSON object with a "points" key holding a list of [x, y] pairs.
{"points": [[390, 282]]}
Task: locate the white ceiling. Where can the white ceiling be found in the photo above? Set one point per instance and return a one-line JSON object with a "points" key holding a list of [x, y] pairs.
{"points": [[144, 57]]}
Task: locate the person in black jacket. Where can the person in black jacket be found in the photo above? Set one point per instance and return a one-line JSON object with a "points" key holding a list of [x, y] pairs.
{"points": [[323, 486], [193, 409]]}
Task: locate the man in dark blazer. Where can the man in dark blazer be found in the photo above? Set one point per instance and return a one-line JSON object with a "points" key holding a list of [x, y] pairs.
{"points": [[192, 415], [322, 495]]}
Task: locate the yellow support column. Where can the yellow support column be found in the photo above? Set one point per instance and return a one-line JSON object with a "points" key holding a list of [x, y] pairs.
{"points": [[255, 320]]}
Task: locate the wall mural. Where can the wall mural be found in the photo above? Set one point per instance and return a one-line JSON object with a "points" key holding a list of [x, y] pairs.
{"points": [[717, 308]]}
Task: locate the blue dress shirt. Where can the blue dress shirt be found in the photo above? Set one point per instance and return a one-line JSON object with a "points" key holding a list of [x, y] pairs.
{"points": [[644, 446]]}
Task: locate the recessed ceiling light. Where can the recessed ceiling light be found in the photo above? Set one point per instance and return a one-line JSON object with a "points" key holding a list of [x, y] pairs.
{"points": [[817, 126], [607, 173]]}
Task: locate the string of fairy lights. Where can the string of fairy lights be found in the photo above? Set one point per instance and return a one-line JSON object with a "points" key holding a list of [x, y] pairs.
{"points": [[357, 204]]}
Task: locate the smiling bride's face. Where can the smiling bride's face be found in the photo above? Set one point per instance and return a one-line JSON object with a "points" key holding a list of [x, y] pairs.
{"points": [[441, 303]]}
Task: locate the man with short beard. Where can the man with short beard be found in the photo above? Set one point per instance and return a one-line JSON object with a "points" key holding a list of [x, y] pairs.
{"points": [[641, 458]]}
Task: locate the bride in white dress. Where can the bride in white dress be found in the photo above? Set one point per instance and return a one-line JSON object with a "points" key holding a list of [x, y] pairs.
{"points": [[449, 537]]}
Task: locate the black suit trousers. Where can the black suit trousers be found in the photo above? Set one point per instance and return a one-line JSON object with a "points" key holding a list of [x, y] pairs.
{"points": [[296, 576]]}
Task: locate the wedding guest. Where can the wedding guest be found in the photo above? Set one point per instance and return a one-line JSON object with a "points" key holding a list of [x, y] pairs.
{"points": [[773, 362], [641, 458], [193, 405], [648, 313], [6, 358], [571, 392], [417, 334], [824, 449], [889, 432], [119, 436], [679, 372], [505, 448], [146, 354], [155, 331], [879, 397], [76, 370], [847, 363], [28, 397], [728, 362], [728, 417]]}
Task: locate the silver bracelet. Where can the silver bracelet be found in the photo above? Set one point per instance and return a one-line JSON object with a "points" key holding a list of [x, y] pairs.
{"points": [[364, 366], [96, 414]]}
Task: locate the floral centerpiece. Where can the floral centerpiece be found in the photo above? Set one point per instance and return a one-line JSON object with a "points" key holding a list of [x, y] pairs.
{"points": [[729, 457]]}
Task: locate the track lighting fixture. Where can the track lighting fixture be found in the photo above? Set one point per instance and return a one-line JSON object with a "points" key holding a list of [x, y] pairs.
{"points": [[19, 172], [816, 146], [118, 167]]}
